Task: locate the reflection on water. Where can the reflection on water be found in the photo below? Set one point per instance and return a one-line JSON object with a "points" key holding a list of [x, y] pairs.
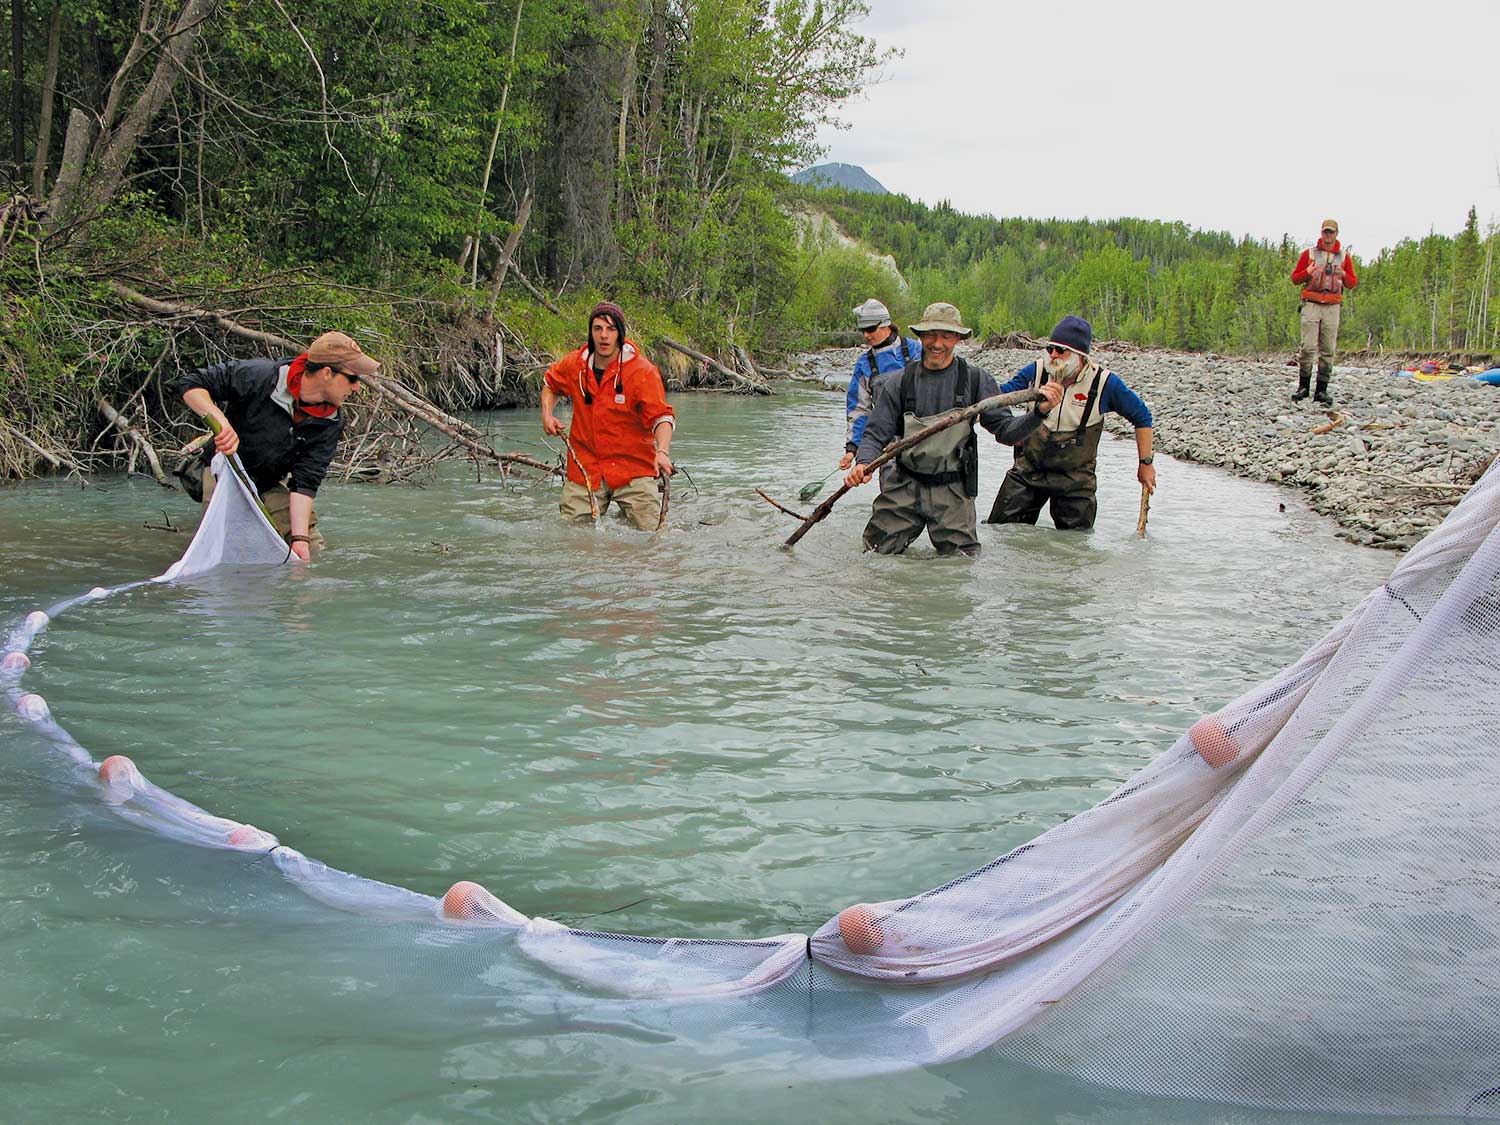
{"points": [[695, 733]]}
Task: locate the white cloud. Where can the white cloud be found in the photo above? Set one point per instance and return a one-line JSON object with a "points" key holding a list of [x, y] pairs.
{"points": [[1258, 119]]}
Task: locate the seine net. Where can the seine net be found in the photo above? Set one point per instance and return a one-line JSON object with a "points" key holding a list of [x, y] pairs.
{"points": [[1295, 905]]}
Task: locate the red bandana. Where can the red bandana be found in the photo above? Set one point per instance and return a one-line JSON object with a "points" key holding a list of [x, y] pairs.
{"points": [[304, 410]]}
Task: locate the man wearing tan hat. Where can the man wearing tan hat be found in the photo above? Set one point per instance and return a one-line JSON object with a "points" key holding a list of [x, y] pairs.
{"points": [[282, 417], [1324, 271], [932, 486]]}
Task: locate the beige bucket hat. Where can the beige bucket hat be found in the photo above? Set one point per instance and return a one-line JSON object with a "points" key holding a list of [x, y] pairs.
{"points": [[940, 316]]}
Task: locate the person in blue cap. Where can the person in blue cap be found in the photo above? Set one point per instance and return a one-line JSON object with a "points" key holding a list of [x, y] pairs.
{"points": [[1056, 464]]}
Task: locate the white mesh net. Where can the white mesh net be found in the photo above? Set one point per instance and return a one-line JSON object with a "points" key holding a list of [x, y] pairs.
{"points": [[1294, 905]]}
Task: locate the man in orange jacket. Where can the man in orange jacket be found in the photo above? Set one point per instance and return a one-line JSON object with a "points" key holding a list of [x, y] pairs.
{"points": [[622, 426], [1324, 271]]}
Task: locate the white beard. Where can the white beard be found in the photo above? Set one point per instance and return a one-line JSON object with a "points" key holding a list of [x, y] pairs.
{"points": [[1064, 367]]}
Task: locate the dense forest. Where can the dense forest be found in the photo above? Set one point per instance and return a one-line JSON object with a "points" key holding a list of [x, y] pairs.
{"points": [[1152, 282], [452, 181]]}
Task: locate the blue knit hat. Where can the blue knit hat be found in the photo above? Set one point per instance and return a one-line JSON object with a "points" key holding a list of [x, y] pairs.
{"points": [[1073, 333]]}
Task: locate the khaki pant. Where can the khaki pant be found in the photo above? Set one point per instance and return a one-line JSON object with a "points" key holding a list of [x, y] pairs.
{"points": [[904, 509], [639, 501], [278, 502], [1320, 337]]}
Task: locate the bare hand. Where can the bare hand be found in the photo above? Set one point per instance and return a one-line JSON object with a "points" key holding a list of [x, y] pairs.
{"points": [[226, 441], [300, 549], [664, 464], [550, 425], [1051, 395], [846, 460], [857, 476], [1146, 474]]}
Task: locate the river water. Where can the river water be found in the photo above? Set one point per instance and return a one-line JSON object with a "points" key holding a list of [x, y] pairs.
{"points": [[695, 733]]}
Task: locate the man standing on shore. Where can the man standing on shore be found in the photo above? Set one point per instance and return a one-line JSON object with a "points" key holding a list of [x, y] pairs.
{"points": [[887, 351], [1056, 465], [282, 417], [1324, 271], [932, 485], [622, 426]]}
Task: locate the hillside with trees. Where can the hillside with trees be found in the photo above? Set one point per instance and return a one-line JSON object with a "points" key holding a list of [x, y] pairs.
{"points": [[1157, 282]]}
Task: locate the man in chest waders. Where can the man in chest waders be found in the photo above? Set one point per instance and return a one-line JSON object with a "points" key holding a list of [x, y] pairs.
{"points": [[932, 486], [1056, 463]]}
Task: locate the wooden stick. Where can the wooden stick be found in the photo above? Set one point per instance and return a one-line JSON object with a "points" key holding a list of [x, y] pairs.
{"points": [[1140, 526], [1014, 398], [666, 498], [758, 388], [138, 439], [779, 507]]}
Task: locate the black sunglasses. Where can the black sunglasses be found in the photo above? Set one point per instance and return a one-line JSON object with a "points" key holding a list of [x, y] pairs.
{"points": [[1053, 349], [351, 376]]}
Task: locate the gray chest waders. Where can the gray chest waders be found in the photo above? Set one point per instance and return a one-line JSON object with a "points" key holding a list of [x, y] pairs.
{"points": [[949, 456]]}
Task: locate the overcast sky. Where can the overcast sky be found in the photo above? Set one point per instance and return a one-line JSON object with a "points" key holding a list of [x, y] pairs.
{"points": [[1258, 118]]}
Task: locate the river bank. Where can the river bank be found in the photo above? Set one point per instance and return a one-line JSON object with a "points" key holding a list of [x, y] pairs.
{"points": [[1387, 463]]}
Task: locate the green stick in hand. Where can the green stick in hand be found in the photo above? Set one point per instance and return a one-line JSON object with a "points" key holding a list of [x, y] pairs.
{"points": [[239, 470]]}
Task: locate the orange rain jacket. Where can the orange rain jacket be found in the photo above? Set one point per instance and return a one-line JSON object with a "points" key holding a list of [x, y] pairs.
{"points": [[613, 417]]}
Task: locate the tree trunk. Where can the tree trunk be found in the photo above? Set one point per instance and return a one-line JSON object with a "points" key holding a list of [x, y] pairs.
{"points": [[502, 266], [75, 155], [49, 91], [116, 150], [17, 83], [489, 162]]}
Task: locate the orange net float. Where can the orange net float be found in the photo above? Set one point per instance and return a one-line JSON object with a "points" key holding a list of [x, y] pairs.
{"points": [[119, 775], [469, 902], [861, 929], [15, 663], [1214, 743], [249, 838]]}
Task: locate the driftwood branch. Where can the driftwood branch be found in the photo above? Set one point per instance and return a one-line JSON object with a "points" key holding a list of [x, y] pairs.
{"points": [[526, 284], [402, 398], [744, 380], [895, 449], [119, 422], [779, 507], [1140, 525], [666, 499]]}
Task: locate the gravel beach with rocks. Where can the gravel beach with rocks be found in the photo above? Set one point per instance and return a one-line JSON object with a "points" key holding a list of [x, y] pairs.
{"points": [[1387, 462]]}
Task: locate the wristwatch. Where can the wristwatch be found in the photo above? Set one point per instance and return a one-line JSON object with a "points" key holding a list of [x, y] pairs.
{"points": [[1148, 460]]}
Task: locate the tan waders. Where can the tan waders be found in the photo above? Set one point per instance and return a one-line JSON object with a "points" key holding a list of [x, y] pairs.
{"points": [[639, 501], [278, 502], [926, 489], [1320, 337]]}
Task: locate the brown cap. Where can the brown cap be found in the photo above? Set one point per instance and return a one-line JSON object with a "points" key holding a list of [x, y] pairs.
{"points": [[338, 350], [1331, 223]]}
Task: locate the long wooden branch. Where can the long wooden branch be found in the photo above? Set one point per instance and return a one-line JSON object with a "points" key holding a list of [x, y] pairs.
{"points": [[403, 399], [895, 449], [758, 388]]}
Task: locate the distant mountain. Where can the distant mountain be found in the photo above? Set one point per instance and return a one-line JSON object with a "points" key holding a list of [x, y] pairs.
{"points": [[851, 177]]}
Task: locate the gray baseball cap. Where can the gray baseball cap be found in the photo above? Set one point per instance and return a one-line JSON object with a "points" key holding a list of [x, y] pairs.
{"points": [[871, 314]]}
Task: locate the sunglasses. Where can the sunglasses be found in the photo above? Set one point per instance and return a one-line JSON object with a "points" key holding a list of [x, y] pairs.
{"points": [[1329, 230], [351, 376], [1053, 349]]}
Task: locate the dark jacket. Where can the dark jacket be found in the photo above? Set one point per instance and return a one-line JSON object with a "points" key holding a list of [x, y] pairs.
{"points": [[271, 447]]}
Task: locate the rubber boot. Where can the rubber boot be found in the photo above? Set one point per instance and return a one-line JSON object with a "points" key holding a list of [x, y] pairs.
{"points": [[1321, 394], [1304, 377]]}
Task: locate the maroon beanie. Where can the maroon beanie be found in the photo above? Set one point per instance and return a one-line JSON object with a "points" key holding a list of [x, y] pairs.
{"points": [[614, 312]]}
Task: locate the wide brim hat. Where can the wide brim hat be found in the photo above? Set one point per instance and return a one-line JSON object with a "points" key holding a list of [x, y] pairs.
{"points": [[940, 316]]}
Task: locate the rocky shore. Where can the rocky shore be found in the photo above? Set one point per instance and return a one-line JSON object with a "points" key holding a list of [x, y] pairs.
{"points": [[1388, 462]]}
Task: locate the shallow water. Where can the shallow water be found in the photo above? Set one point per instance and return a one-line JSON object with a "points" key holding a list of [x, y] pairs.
{"points": [[695, 733]]}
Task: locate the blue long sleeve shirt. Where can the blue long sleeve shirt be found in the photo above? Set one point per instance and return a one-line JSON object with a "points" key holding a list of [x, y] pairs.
{"points": [[863, 389], [1116, 396]]}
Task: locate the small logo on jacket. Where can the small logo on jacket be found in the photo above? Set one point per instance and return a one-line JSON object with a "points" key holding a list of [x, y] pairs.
{"points": [[1080, 398]]}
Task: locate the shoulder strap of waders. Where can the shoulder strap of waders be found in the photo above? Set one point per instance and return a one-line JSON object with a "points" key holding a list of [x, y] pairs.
{"points": [[1088, 407], [905, 353], [874, 367]]}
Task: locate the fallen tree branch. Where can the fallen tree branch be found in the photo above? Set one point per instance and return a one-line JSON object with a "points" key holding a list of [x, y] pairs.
{"points": [[895, 449], [526, 284], [116, 419], [757, 388], [401, 397]]}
